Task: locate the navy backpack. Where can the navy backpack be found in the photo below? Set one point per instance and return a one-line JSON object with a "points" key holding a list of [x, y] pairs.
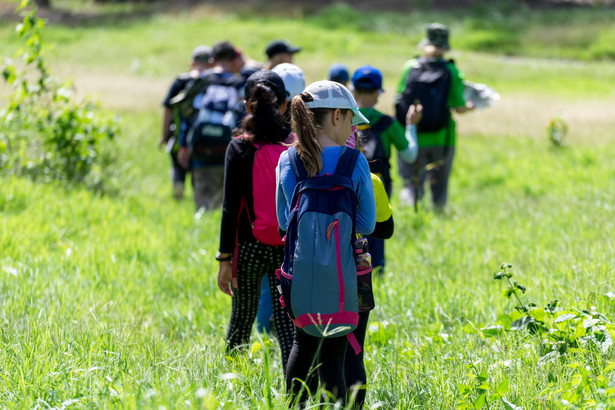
{"points": [[319, 274]]}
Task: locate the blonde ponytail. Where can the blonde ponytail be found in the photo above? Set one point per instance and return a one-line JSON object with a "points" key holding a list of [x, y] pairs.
{"points": [[304, 125]]}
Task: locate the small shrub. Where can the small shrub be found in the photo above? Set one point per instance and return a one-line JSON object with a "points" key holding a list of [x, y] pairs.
{"points": [[44, 133]]}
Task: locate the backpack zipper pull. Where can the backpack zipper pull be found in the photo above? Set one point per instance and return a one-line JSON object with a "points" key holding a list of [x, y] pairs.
{"points": [[331, 226]]}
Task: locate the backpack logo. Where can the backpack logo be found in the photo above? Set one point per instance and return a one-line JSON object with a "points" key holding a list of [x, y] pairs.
{"points": [[428, 82], [319, 274]]}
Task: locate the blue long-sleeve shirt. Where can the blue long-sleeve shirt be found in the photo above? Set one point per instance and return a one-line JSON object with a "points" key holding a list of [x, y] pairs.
{"points": [[361, 179]]}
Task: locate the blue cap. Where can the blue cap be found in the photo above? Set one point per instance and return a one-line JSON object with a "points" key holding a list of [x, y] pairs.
{"points": [[367, 77], [339, 73]]}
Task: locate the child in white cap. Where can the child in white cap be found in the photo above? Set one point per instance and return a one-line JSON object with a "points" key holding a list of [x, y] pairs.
{"points": [[322, 117]]}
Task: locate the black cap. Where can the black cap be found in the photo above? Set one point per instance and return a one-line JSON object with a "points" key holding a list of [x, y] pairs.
{"points": [[280, 46], [269, 78]]}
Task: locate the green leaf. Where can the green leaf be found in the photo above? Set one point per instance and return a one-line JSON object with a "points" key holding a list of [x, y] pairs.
{"points": [[538, 314], [551, 306], [580, 331], [499, 275], [464, 389], [492, 331], [482, 377], [587, 323], [520, 287], [504, 320], [576, 379], [565, 317], [502, 387], [521, 323], [480, 402], [508, 292]]}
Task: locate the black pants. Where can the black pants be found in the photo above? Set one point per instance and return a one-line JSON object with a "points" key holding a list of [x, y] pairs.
{"points": [[354, 368], [256, 260], [314, 356]]}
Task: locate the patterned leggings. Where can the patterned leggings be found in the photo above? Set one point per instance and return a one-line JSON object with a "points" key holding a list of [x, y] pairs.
{"points": [[256, 260]]}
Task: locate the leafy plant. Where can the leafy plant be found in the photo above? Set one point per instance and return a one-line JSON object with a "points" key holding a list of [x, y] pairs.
{"points": [[557, 329], [557, 131], [482, 393], [44, 133]]}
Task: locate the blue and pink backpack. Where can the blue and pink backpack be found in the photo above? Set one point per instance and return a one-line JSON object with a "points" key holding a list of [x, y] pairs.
{"points": [[319, 273]]}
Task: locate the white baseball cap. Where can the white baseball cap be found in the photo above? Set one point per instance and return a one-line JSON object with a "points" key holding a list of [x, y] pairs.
{"points": [[293, 78], [329, 94]]}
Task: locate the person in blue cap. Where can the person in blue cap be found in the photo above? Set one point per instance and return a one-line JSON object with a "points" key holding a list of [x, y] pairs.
{"points": [[339, 73], [377, 137]]}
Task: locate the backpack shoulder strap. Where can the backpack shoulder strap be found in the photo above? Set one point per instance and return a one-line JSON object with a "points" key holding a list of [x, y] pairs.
{"points": [[382, 124], [347, 162], [296, 164]]}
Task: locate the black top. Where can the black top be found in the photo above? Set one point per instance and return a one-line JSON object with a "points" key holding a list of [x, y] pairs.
{"points": [[178, 84], [237, 184]]}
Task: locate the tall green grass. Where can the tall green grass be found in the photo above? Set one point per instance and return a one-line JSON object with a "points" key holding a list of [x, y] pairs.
{"points": [[112, 301]]}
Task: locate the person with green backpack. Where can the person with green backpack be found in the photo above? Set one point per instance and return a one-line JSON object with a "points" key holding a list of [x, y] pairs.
{"points": [[171, 118], [438, 85]]}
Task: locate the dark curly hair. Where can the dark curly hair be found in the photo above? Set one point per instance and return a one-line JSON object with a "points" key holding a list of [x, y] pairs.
{"points": [[264, 121]]}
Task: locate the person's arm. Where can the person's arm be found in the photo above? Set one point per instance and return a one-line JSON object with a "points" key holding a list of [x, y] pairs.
{"points": [[234, 173], [456, 100], [183, 152], [413, 117], [166, 120], [285, 183], [366, 212], [468, 107]]}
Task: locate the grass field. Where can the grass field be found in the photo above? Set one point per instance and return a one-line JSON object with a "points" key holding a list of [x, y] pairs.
{"points": [[111, 301]]}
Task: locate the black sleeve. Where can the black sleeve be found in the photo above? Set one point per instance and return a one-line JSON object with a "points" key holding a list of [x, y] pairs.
{"points": [[236, 168], [176, 87], [383, 230]]}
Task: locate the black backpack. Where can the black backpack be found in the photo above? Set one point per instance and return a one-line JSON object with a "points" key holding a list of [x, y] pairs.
{"points": [[216, 102], [429, 82], [369, 137]]}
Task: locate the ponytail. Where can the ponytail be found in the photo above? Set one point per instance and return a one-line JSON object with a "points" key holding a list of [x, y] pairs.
{"points": [[305, 123]]}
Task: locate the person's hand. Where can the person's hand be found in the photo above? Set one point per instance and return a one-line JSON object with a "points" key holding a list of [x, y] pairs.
{"points": [[414, 114], [225, 278], [183, 157], [470, 106], [163, 141]]}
